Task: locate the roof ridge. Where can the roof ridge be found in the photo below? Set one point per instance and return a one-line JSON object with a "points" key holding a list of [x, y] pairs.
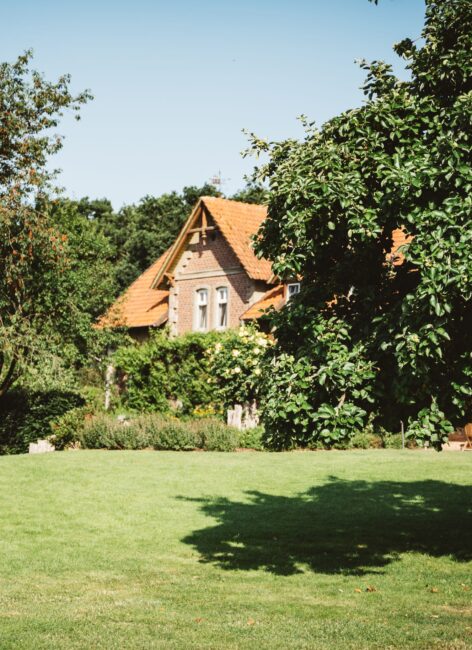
{"points": [[223, 198]]}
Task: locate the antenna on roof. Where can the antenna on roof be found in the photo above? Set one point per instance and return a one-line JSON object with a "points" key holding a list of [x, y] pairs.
{"points": [[218, 181]]}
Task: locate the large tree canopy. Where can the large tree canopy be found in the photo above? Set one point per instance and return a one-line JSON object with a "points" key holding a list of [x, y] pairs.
{"points": [[369, 335], [33, 251]]}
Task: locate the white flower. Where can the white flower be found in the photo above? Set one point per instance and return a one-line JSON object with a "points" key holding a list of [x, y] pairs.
{"points": [[261, 341], [257, 371], [236, 370], [257, 350], [218, 347], [235, 353]]}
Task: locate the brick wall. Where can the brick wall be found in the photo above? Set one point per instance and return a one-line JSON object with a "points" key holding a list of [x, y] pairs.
{"points": [[208, 264]]}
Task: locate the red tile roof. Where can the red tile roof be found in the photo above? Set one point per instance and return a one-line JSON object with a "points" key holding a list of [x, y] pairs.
{"points": [[400, 238], [239, 222], [144, 306], [139, 305], [272, 298]]}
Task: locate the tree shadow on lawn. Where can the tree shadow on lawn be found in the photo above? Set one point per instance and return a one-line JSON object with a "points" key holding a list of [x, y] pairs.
{"points": [[350, 527]]}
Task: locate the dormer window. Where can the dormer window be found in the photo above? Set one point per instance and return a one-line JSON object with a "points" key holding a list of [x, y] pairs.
{"points": [[292, 289], [222, 308], [202, 310]]}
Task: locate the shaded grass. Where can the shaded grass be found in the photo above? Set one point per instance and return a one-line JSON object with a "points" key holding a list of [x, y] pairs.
{"points": [[207, 550]]}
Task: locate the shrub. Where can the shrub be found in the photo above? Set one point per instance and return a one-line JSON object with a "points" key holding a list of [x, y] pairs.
{"points": [[235, 363], [106, 432], [430, 425], [365, 440], [154, 430], [216, 436], [67, 430], [394, 441], [251, 438], [165, 371], [176, 435], [319, 394], [26, 416]]}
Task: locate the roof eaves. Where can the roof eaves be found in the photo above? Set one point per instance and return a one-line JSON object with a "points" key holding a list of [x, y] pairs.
{"points": [[174, 249]]}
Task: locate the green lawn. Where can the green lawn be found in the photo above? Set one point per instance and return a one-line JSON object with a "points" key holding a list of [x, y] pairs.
{"points": [[251, 550]]}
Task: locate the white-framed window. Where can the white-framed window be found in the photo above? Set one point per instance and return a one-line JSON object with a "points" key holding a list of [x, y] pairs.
{"points": [[292, 289], [201, 310], [221, 311]]}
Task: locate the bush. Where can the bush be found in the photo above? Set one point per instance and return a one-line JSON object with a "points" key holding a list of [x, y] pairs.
{"points": [[319, 395], [365, 440], [430, 426], [107, 432], [236, 365], [160, 432], [26, 416], [167, 371], [251, 438], [216, 436], [67, 430], [176, 435], [393, 441]]}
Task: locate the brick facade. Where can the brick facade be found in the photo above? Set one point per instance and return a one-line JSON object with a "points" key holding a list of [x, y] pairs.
{"points": [[208, 263]]}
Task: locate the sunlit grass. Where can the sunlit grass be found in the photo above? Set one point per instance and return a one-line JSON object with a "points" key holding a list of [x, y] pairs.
{"points": [[251, 550]]}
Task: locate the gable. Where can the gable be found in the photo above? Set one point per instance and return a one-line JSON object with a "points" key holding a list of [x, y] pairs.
{"points": [[237, 222], [205, 255]]}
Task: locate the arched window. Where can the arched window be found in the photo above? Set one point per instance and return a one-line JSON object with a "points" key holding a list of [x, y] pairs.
{"points": [[202, 310], [221, 308]]}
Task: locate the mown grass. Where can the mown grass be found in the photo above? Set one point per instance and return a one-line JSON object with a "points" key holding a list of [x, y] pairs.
{"points": [[366, 549]]}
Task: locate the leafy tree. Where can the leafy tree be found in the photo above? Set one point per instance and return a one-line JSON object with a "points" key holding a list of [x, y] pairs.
{"points": [[32, 249], [374, 335], [87, 278], [252, 193]]}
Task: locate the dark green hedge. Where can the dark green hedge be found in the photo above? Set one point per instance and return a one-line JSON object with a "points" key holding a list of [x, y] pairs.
{"points": [[26, 416]]}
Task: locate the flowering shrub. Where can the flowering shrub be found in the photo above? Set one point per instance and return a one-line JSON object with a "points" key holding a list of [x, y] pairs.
{"points": [[235, 364]]}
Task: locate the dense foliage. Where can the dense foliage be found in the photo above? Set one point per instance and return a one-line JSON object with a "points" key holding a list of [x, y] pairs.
{"points": [[32, 250], [26, 416], [168, 373], [371, 334], [85, 287], [235, 365]]}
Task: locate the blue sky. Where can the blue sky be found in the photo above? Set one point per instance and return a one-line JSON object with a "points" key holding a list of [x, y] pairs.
{"points": [[176, 81]]}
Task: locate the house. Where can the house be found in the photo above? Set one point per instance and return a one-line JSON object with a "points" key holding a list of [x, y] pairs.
{"points": [[210, 278]]}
